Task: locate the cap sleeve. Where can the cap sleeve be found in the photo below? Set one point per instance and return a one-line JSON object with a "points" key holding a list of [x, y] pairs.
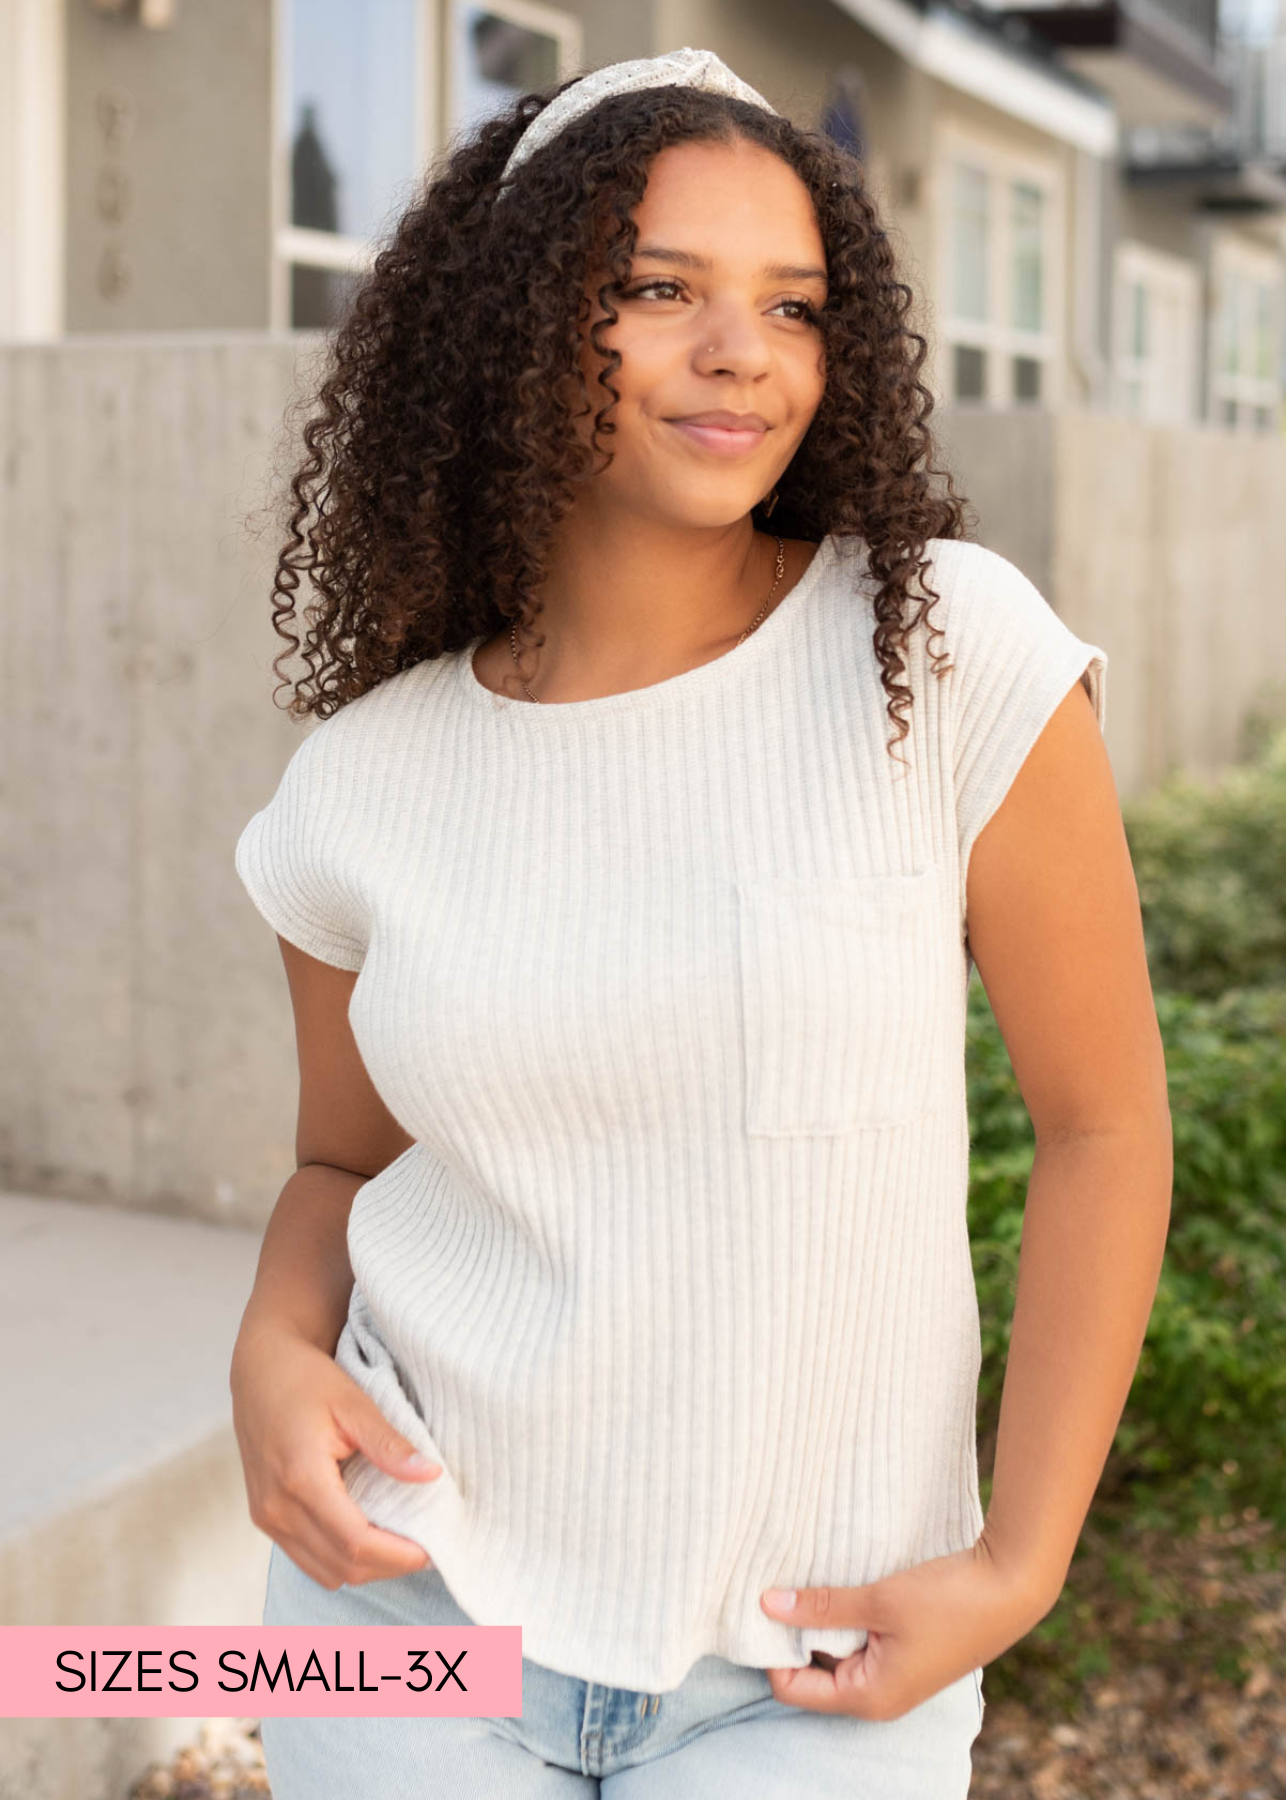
{"points": [[297, 857], [1014, 661]]}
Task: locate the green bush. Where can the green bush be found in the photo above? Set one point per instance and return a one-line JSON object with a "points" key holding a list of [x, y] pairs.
{"points": [[1210, 860], [1202, 1432]]}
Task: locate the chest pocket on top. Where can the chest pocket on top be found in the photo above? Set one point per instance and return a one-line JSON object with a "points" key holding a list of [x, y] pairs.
{"points": [[835, 971]]}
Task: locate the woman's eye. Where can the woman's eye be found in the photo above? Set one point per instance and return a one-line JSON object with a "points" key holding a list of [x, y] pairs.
{"points": [[807, 313], [807, 310], [648, 287]]}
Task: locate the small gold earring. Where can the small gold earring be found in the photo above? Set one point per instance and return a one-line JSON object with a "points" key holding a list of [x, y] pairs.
{"points": [[769, 504]]}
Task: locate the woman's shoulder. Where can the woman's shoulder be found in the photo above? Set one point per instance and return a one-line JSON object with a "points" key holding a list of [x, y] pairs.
{"points": [[988, 602], [987, 616], [967, 569], [973, 589], [953, 564], [381, 712], [1012, 654]]}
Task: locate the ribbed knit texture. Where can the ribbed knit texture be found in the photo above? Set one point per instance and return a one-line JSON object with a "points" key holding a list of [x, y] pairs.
{"points": [[669, 987]]}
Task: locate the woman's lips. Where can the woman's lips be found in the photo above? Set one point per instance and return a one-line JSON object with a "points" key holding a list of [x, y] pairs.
{"points": [[718, 438]]}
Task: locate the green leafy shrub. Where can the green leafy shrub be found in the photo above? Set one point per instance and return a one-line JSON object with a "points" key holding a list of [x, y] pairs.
{"points": [[1210, 860], [1202, 1432]]}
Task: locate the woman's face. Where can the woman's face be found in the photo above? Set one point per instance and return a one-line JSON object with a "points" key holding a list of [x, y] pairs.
{"points": [[717, 316]]}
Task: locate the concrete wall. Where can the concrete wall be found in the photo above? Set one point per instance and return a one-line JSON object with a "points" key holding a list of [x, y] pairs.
{"points": [[151, 1054], [149, 1050], [1164, 544]]}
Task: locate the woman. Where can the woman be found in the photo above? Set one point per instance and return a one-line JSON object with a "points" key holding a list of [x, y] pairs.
{"points": [[629, 966]]}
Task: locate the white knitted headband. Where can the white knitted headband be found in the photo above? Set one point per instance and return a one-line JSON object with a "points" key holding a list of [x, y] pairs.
{"points": [[680, 68]]}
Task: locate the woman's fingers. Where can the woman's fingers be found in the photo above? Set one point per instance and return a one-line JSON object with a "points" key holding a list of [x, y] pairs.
{"points": [[328, 1535], [362, 1426], [298, 1417], [380, 1556]]}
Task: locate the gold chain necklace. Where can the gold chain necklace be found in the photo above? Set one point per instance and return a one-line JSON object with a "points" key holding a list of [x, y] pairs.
{"points": [[757, 620]]}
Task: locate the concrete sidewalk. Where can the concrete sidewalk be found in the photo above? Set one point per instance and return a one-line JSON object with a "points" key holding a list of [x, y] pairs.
{"points": [[121, 1494]]}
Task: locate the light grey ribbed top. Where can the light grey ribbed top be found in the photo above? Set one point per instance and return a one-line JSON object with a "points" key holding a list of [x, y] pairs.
{"points": [[669, 987]]}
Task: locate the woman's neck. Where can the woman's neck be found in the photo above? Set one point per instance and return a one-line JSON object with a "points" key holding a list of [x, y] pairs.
{"points": [[606, 636]]}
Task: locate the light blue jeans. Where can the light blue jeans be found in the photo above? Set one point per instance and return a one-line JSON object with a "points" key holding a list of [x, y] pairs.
{"points": [[720, 1735]]}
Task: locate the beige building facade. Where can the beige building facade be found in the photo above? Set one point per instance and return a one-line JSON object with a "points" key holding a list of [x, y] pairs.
{"points": [[176, 167]]}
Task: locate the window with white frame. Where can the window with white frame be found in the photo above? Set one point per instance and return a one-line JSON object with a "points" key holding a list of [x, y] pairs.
{"points": [[499, 52], [997, 277], [1246, 346], [359, 118], [1154, 334]]}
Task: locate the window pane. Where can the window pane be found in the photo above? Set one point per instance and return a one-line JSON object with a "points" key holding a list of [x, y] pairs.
{"points": [[1028, 251], [844, 117], [1230, 299], [1264, 331], [352, 111], [1026, 378], [1246, 328], [1138, 319], [319, 297], [495, 61], [970, 372], [970, 219]]}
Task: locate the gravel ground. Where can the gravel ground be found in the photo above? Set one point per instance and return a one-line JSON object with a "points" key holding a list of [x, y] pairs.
{"points": [[1162, 1724], [1143, 1740]]}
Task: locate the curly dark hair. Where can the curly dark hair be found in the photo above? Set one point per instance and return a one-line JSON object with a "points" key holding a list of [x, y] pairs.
{"points": [[441, 453]]}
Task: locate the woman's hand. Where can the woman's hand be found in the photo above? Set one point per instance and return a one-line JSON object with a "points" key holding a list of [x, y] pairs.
{"points": [[927, 1626], [297, 1416]]}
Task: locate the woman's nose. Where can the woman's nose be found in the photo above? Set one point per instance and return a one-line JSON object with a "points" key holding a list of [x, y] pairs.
{"points": [[733, 342]]}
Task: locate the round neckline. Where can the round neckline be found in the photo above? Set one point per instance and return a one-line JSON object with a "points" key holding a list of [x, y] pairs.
{"points": [[742, 656]]}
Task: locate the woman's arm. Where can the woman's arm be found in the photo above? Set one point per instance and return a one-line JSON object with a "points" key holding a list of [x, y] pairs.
{"points": [[304, 1283], [1093, 1237], [344, 1135], [1056, 932], [296, 1413]]}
